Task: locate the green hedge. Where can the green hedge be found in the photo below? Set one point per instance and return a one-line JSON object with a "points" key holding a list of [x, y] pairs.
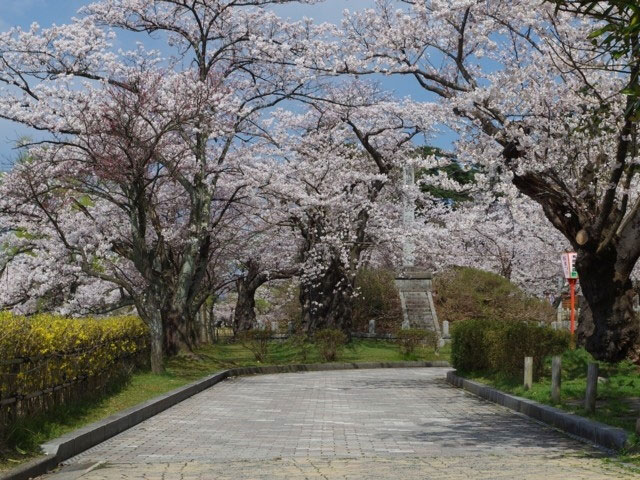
{"points": [[462, 293], [500, 347]]}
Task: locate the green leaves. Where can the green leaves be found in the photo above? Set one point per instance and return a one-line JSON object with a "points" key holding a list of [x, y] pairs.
{"points": [[601, 31]]}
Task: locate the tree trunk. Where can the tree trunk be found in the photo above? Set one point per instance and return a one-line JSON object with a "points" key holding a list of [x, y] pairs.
{"points": [[202, 326], [180, 332], [328, 303], [608, 326], [244, 317], [157, 341]]}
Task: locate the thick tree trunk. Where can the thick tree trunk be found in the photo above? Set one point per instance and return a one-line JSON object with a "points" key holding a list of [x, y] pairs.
{"points": [[244, 317], [608, 326], [608, 250], [150, 312], [154, 321], [327, 303], [202, 324], [180, 332]]}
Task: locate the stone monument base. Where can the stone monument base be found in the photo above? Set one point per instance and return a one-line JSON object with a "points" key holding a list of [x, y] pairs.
{"points": [[418, 310]]}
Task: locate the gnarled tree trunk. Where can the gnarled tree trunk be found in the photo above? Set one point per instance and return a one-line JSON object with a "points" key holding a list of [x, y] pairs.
{"points": [[608, 325], [244, 317], [327, 302], [180, 331]]}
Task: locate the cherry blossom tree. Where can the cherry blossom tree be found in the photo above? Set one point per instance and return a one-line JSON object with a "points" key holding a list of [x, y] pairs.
{"points": [[269, 251], [536, 105], [142, 161], [336, 169], [36, 276], [506, 235]]}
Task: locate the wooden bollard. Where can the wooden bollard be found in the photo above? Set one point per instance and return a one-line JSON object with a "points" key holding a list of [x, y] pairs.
{"points": [[592, 388], [528, 372], [556, 371]]}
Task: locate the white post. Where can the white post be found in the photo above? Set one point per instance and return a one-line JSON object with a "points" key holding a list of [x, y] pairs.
{"points": [[528, 373], [408, 217], [445, 329]]}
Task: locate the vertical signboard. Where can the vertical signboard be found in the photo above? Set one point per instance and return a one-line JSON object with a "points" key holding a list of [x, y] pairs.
{"points": [[570, 273]]}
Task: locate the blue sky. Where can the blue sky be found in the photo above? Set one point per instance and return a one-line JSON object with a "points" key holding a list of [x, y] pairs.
{"points": [[46, 12]]}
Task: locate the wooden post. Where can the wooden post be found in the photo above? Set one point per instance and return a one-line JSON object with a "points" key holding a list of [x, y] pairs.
{"points": [[556, 370], [592, 388], [528, 372]]}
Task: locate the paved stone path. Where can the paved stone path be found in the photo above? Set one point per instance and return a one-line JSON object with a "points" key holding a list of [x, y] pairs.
{"points": [[387, 423]]}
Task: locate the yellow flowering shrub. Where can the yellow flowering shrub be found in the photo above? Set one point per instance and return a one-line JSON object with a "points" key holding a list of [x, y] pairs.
{"points": [[45, 357]]}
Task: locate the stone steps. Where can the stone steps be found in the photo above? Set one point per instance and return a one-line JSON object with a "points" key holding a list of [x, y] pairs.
{"points": [[414, 290]]}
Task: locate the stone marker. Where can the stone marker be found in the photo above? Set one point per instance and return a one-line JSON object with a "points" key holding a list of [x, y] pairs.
{"points": [[405, 325], [528, 372], [556, 370], [372, 327], [445, 329], [592, 388]]}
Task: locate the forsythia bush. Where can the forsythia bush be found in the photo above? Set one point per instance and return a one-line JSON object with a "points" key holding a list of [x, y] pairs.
{"points": [[42, 352]]}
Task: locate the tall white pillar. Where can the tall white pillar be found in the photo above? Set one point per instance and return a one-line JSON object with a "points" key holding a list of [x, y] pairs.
{"points": [[409, 216]]}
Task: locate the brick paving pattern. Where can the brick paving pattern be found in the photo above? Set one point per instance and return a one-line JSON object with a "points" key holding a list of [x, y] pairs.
{"points": [[386, 423]]}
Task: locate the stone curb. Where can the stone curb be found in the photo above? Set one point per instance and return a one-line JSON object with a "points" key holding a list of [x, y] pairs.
{"points": [[65, 447], [595, 432]]}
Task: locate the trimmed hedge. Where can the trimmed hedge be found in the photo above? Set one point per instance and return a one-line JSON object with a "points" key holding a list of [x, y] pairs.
{"points": [[47, 360], [461, 293], [500, 346]]}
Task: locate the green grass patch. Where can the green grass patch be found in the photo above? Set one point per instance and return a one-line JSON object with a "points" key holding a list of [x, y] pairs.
{"points": [[616, 404], [618, 399], [26, 436]]}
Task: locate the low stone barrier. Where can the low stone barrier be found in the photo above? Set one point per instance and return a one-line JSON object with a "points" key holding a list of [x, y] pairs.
{"points": [[62, 448], [595, 432]]}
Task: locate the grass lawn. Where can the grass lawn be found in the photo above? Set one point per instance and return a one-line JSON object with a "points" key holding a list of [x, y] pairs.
{"points": [[24, 439], [618, 399]]}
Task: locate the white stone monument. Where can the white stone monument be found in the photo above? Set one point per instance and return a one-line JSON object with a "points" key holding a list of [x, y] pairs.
{"points": [[414, 284]]}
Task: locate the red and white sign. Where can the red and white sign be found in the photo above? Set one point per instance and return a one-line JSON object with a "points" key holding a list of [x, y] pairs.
{"points": [[569, 265]]}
